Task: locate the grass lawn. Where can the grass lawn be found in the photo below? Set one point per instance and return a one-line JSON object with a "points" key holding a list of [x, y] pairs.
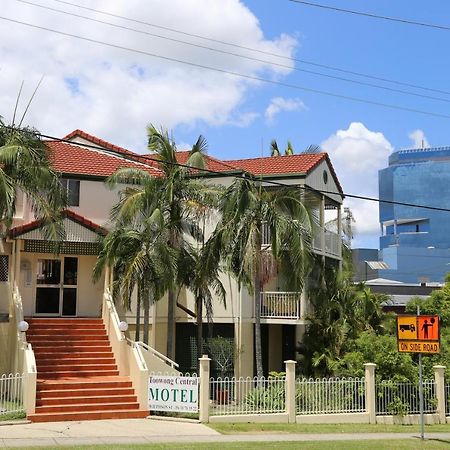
{"points": [[330, 445], [13, 416], [252, 428]]}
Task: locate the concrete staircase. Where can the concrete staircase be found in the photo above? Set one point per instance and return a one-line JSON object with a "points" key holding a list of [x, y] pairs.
{"points": [[77, 375]]}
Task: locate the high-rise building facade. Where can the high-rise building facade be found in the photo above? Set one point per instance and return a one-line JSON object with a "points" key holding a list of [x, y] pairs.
{"points": [[415, 241]]}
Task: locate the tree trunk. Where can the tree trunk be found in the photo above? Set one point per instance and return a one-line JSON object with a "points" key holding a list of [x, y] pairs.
{"points": [[171, 303], [257, 289], [171, 300], [146, 296], [138, 316], [199, 313]]}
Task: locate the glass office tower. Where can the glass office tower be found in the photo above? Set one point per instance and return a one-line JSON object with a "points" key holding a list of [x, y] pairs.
{"points": [[415, 242]]}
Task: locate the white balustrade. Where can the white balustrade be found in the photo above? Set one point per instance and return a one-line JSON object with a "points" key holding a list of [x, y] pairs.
{"points": [[280, 305]]}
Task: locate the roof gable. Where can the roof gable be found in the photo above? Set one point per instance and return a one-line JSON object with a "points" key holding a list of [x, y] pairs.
{"points": [[78, 160], [300, 164], [77, 229]]}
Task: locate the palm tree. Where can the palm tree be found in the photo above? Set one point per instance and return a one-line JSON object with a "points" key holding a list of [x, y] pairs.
{"points": [[176, 194], [25, 166], [246, 208], [289, 149], [141, 260], [201, 277], [274, 150]]}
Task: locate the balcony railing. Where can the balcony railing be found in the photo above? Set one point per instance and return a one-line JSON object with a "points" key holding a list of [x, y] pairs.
{"points": [[280, 305], [331, 244]]}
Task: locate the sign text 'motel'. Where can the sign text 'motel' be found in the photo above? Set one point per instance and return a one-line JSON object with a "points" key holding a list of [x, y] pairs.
{"points": [[173, 393], [418, 334]]}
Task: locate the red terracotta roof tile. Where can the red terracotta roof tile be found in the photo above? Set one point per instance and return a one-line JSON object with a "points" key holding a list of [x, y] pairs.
{"points": [[278, 165], [22, 229], [211, 163], [283, 165], [78, 160], [98, 141]]}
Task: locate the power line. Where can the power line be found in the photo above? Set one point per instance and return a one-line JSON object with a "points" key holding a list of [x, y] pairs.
{"points": [[243, 175], [373, 16], [218, 41], [348, 80], [229, 72]]}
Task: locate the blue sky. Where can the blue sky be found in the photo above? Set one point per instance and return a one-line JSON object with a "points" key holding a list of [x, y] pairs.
{"points": [[114, 94]]}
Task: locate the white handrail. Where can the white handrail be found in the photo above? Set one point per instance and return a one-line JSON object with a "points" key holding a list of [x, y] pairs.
{"points": [[25, 358], [159, 355], [135, 345], [108, 306]]}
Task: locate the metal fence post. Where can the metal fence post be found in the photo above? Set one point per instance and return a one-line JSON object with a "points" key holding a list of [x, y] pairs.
{"points": [[370, 391], [440, 392], [204, 389], [290, 391]]}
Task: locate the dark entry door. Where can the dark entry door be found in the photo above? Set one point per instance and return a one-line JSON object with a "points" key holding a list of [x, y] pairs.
{"points": [[56, 286]]}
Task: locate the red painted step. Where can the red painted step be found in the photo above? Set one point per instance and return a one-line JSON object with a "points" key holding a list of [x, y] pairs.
{"points": [[77, 374], [85, 400], [89, 415], [79, 360], [85, 393]]}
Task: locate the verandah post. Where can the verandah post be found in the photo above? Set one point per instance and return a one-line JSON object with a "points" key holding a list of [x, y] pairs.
{"points": [[370, 391], [204, 389], [290, 391]]}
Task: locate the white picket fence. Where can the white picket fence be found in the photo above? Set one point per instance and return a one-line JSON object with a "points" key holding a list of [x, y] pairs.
{"points": [[330, 395], [230, 396], [403, 397], [11, 393]]}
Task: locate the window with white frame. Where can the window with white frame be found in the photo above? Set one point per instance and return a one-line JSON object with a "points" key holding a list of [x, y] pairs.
{"points": [[72, 187]]}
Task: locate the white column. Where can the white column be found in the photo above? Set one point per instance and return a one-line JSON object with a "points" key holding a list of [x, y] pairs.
{"points": [[290, 391], [440, 392], [370, 391], [204, 389]]}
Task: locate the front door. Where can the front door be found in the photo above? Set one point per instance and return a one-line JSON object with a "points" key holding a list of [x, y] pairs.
{"points": [[56, 286]]}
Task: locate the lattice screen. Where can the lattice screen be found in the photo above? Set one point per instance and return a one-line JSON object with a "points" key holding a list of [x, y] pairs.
{"points": [[66, 248], [4, 265]]}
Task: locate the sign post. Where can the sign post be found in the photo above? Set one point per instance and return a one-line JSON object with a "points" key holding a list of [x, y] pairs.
{"points": [[422, 425], [419, 334]]}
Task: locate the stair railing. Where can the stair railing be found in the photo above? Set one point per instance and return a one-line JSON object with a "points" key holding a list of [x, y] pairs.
{"points": [[22, 353], [129, 358], [163, 358]]}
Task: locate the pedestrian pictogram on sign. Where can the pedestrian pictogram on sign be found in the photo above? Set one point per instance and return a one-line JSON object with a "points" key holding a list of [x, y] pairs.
{"points": [[428, 328]]}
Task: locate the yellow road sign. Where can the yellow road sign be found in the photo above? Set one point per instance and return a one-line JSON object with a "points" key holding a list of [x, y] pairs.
{"points": [[418, 334], [418, 347]]}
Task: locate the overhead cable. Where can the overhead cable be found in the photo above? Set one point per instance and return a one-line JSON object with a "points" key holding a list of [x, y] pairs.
{"points": [[373, 16], [238, 55], [229, 72], [244, 174], [252, 49]]}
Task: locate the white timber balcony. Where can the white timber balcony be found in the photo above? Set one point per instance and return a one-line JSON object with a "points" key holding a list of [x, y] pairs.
{"points": [[280, 305], [325, 242]]}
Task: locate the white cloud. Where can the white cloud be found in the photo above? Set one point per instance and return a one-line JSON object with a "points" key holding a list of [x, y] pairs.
{"points": [[357, 154], [418, 139], [114, 93], [279, 104]]}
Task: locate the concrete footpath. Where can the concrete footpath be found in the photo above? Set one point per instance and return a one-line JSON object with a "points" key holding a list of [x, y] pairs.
{"points": [[146, 431]]}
